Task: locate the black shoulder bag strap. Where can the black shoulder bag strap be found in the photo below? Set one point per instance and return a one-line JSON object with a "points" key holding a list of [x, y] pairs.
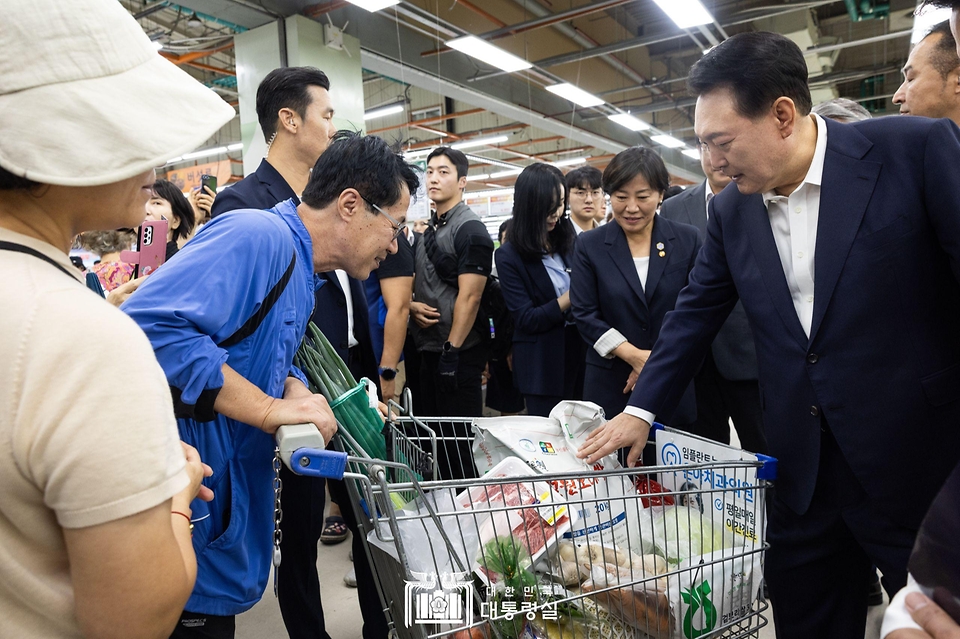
{"points": [[20, 248], [251, 325]]}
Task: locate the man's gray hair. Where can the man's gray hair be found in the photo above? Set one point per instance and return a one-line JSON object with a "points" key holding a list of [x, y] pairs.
{"points": [[842, 110]]}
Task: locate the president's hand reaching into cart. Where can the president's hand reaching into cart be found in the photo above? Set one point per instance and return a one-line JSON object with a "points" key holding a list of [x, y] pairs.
{"points": [[621, 431]]}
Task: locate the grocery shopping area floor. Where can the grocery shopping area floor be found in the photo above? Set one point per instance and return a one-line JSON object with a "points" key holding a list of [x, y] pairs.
{"points": [[342, 612]]}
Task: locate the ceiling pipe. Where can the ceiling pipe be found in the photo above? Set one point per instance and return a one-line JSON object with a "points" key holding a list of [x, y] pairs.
{"points": [[856, 43], [626, 45], [433, 120], [538, 23]]}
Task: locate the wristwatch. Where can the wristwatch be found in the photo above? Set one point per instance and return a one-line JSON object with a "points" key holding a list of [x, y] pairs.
{"points": [[449, 348], [388, 374]]}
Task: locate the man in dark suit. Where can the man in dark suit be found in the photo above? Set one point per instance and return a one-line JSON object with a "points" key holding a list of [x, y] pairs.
{"points": [[295, 114], [841, 240], [726, 385]]}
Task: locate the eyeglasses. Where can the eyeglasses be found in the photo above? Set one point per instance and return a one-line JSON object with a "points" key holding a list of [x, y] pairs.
{"points": [[582, 193], [397, 226]]}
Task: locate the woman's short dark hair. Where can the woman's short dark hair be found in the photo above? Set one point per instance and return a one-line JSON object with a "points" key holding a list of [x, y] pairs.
{"points": [[457, 157], [629, 163], [362, 162], [286, 88], [181, 209], [758, 67], [11, 182], [537, 193]]}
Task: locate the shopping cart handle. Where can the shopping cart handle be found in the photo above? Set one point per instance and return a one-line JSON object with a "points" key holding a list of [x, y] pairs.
{"points": [[768, 471], [314, 462]]}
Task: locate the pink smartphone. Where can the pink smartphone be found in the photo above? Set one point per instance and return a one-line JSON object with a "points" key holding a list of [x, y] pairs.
{"points": [[151, 248]]}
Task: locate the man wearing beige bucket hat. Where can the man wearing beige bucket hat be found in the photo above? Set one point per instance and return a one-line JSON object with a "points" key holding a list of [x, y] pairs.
{"points": [[95, 486]]}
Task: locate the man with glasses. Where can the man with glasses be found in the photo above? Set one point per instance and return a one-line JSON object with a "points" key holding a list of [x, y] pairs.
{"points": [[225, 319], [584, 186], [295, 113]]}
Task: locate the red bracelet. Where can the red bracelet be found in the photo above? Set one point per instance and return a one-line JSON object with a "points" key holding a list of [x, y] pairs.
{"points": [[185, 516]]}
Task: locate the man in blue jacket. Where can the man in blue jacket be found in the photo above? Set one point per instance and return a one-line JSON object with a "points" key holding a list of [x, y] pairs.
{"points": [[841, 240], [225, 318]]}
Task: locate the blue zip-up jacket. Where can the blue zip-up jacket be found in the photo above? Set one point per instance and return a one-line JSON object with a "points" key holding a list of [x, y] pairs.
{"points": [[194, 302]]}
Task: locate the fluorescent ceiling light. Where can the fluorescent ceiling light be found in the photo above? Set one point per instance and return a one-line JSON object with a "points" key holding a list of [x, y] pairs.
{"points": [[685, 13], [390, 109], [507, 173], [467, 144], [692, 153], [667, 140], [488, 193], [490, 161], [925, 19], [486, 52], [235, 146], [374, 5], [570, 161], [575, 94], [478, 176], [629, 121], [418, 153]]}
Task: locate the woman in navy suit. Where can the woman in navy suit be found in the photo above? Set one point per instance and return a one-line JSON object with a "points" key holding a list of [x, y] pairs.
{"points": [[533, 267], [626, 278]]}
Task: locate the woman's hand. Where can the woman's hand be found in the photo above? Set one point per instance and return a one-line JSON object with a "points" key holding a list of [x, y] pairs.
{"points": [[636, 358], [564, 302], [120, 294], [196, 470]]}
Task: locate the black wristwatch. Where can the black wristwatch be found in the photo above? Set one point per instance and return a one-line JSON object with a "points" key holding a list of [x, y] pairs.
{"points": [[450, 348], [388, 374]]}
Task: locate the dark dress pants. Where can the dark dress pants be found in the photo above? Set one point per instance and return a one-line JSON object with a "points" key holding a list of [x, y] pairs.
{"points": [[820, 563], [719, 400], [454, 451], [194, 625], [569, 382], [299, 584]]}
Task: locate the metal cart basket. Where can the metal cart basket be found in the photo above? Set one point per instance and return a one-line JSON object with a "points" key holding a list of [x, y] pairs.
{"points": [[672, 550]]}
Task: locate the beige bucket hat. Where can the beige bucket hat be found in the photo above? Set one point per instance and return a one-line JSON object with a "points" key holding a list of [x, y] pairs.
{"points": [[85, 99]]}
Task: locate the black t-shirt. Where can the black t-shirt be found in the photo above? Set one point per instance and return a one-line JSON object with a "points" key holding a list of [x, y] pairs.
{"points": [[474, 249], [400, 264]]}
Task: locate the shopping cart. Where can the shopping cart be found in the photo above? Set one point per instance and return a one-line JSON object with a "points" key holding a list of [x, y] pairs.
{"points": [[451, 559]]}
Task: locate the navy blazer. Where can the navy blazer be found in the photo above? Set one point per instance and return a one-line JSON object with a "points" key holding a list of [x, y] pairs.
{"points": [[539, 357], [733, 349], [881, 366], [606, 293], [263, 189]]}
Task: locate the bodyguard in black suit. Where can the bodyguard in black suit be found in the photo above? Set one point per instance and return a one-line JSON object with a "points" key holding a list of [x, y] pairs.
{"points": [[293, 136], [841, 240], [619, 316], [726, 386]]}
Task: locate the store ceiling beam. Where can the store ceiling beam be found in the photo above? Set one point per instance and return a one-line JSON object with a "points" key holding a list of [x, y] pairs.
{"points": [[195, 55], [552, 138], [210, 68], [645, 41], [433, 120], [378, 63], [539, 23]]}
